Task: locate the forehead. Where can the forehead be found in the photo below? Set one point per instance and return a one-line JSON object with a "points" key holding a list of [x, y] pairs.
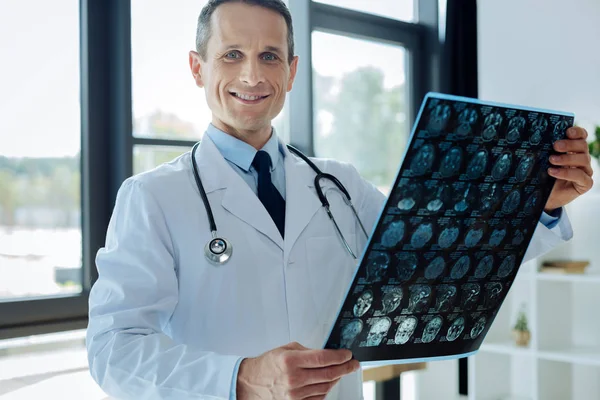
{"points": [[246, 25]]}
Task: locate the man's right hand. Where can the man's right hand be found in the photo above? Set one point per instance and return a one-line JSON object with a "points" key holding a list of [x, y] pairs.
{"points": [[293, 372]]}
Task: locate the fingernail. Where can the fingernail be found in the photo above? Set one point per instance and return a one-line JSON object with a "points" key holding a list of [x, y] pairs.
{"points": [[553, 171], [560, 145], [571, 131], [554, 158]]}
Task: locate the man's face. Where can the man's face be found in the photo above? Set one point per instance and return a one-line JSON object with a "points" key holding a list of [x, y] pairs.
{"points": [[246, 73]]}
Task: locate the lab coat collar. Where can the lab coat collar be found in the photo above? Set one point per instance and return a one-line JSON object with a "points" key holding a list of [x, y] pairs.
{"points": [[238, 198]]}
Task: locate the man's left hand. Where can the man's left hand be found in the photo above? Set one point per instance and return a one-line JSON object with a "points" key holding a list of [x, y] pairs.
{"points": [[572, 169]]}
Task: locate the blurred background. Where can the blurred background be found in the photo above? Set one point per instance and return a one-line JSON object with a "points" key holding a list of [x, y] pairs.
{"points": [[93, 91]]}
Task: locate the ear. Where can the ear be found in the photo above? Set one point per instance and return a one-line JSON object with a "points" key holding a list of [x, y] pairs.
{"points": [[196, 68], [293, 69]]}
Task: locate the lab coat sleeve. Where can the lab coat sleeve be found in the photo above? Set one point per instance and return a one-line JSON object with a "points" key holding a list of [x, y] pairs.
{"points": [[129, 354], [549, 233]]}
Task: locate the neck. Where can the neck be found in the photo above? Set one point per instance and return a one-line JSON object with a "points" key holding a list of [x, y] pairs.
{"points": [[255, 138]]}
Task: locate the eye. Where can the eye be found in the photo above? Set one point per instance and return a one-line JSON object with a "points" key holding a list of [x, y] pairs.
{"points": [[269, 57], [233, 54]]}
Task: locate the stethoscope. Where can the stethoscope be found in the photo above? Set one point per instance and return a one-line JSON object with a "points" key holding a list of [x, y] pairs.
{"points": [[218, 250]]}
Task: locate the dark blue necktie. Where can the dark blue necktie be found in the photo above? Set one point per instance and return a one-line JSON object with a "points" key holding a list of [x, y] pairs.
{"points": [[267, 192]]}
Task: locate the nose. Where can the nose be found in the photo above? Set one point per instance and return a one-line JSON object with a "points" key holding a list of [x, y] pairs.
{"points": [[251, 73]]}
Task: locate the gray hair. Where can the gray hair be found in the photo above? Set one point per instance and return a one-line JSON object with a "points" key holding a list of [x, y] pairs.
{"points": [[204, 30]]}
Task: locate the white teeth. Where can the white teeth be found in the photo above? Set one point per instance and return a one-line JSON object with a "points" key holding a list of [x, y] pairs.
{"points": [[244, 97]]}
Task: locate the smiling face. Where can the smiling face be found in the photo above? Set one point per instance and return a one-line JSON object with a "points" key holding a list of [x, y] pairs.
{"points": [[246, 72]]}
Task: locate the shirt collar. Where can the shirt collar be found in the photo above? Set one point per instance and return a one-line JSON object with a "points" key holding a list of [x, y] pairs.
{"points": [[241, 153]]}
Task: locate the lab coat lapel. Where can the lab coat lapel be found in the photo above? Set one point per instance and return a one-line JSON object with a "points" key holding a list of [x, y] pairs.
{"points": [[238, 198], [302, 201]]}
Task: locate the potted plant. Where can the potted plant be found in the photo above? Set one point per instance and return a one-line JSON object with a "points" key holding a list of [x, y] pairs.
{"points": [[521, 332]]}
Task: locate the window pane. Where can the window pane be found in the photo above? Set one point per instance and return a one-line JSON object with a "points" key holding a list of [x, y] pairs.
{"points": [[147, 157], [361, 106], [403, 10], [163, 86], [40, 204]]}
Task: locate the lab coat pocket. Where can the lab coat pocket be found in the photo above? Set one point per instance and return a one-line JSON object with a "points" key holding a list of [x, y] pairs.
{"points": [[330, 272]]}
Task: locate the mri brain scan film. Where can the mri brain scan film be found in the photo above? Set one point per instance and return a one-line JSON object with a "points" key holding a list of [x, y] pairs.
{"points": [[450, 239]]}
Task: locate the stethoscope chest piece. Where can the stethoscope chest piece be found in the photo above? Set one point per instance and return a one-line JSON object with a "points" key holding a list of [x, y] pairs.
{"points": [[218, 251]]}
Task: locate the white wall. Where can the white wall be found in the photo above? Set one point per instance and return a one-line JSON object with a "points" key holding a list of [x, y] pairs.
{"points": [[540, 53]]}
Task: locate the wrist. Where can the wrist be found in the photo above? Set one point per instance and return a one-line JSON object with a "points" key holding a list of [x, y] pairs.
{"points": [[242, 383]]}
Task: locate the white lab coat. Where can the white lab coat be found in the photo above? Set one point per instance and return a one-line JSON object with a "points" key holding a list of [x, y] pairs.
{"points": [[166, 324]]}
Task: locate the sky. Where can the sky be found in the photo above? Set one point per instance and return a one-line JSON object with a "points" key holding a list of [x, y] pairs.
{"points": [[39, 85]]}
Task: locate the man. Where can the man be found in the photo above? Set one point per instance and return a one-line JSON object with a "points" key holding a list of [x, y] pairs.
{"points": [[164, 322]]}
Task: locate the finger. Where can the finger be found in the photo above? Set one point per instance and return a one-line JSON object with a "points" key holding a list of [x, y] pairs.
{"points": [[322, 358], [577, 132], [571, 145], [309, 391], [583, 182], [581, 160], [331, 373]]}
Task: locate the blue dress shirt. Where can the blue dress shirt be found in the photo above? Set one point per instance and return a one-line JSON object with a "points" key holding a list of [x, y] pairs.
{"points": [[240, 154]]}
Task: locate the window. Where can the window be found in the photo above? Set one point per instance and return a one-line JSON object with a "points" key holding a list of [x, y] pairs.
{"points": [[397, 9], [40, 143], [361, 102]]}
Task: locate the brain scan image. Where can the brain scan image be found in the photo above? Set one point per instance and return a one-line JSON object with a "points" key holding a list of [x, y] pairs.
{"points": [[465, 198], [451, 162], [363, 303], [524, 168], [455, 329], [470, 295], [439, 118], [478, 327], [532, 202], [497, 236], [484, 267], [538, 128], [409, 196], [377, 266], [435, 268], [432, 329], [492, 294], [405, 330], [507, 266], [477, 164], [422, 235], [445, 296], [560, 129], [515, 128], [435, 204], [491, 126], [406, 265], [393, 234], [511, 203], [466, 119], [490, 197], [423, 160], [419, 298], [519, 237], [391, 300], [473, 236], [448, 237], [378, 331], [460, 268], [502, 166], [350, 332]]}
